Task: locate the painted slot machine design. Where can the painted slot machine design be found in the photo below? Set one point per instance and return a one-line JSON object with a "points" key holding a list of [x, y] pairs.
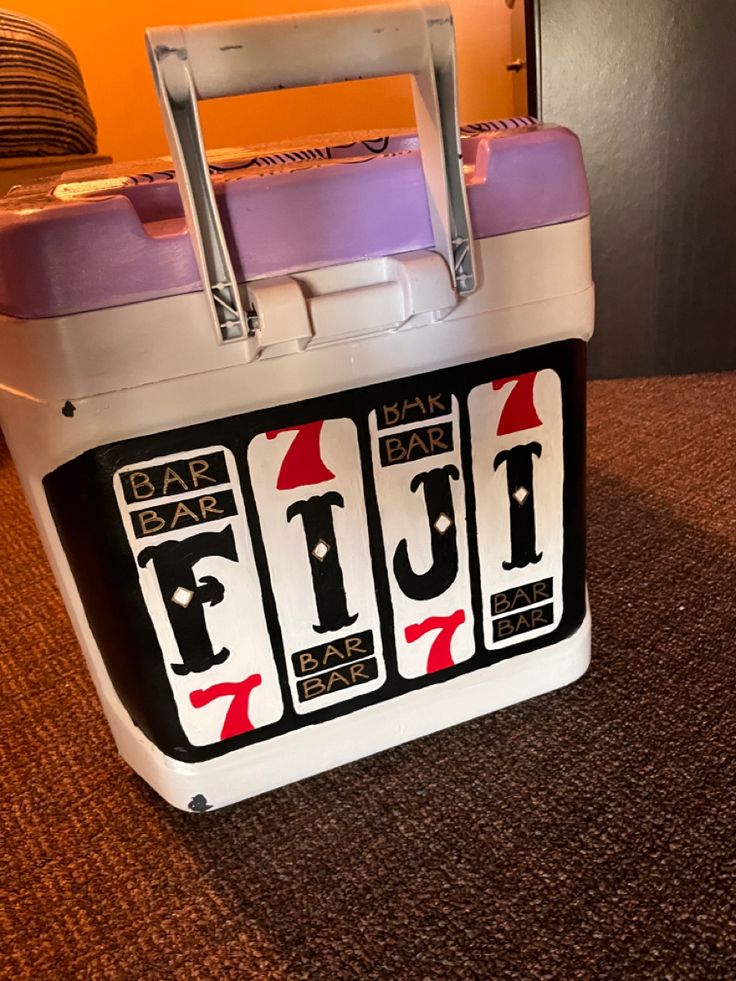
{"points": [[312, 514], [406, 538], [421, 501], [516, 438], [183, 516]]}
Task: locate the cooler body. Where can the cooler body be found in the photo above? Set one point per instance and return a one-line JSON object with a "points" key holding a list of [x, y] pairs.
{"points": [[370, 530]]}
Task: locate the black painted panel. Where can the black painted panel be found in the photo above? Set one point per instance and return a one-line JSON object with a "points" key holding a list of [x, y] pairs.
{"points": [[136, 639]]}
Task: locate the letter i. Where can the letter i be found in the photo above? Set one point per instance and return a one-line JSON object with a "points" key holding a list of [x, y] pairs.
{"points": [[324, 560], [520, 486]]}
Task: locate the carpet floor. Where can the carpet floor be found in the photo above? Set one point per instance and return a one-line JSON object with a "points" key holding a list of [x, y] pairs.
{"points": [[585, 834]]}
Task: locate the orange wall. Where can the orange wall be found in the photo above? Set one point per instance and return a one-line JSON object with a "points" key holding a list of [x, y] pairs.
{"points": [[110, 47]]}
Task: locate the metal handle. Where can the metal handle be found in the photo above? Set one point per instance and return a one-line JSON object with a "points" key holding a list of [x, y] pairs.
{"points": [[213, 60]]}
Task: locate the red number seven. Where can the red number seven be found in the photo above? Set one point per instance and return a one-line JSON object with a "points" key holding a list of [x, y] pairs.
{"points": [[303, 464], [518, 412], [237, 720], [440, 652]]}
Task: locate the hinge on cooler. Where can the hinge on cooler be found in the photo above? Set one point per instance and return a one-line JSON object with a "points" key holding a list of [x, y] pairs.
{"points": [[252, 322], [464, 270], [226, 312]]}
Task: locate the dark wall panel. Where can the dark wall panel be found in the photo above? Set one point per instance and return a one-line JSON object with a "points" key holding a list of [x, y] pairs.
{"points": [[649, 87]]}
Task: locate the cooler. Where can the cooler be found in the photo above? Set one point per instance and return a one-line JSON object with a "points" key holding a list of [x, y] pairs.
{"points": [[304, 432]]}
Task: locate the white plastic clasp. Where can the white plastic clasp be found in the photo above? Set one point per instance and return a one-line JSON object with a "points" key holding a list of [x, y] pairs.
{"points": [[350, 301]]}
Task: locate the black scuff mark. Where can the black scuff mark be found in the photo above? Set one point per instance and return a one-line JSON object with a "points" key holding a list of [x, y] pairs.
{"points": [[199, 804], [68, 409], [163, 51]]}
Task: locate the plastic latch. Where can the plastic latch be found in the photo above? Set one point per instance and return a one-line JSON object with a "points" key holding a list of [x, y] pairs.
{"points": [[283, 322], [349, 301]]}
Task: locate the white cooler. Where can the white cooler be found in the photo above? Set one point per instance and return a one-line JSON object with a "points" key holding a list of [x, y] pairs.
{"points": [[304, 434]]}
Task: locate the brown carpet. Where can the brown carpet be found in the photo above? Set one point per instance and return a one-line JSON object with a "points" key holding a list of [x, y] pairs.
{"points": [[586, 834]]}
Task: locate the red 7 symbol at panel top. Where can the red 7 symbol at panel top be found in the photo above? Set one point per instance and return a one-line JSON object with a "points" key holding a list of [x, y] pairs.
{"points": [[440, 651], [237, 720], [518, 412], [303, 464]]}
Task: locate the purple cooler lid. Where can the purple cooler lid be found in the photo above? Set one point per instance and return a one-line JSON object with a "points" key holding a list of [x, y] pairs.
{"points": [[116, 235]]}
